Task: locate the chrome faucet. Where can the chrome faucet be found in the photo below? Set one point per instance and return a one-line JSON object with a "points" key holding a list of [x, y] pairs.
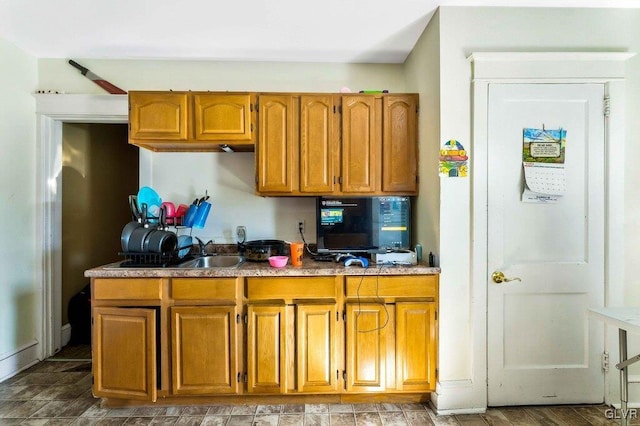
{"points": [[203, 246]]}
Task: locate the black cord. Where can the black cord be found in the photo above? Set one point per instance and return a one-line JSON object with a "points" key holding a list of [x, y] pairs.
{"points": [[379, 302], [305, 242], [377, 296]]}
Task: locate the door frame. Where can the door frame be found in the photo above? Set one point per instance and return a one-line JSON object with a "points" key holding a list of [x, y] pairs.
{"points": [[51, 112], [489, 68]]}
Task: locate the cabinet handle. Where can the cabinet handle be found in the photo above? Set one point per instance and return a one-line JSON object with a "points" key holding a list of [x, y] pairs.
{"points": [[498, 278], [238, 378]]}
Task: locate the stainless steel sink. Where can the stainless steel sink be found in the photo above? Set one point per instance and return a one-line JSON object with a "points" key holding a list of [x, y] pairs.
{"points": [[217, 261]]}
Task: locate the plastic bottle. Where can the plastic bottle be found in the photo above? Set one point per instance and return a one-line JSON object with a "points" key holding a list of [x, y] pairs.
{"points": [[418, 250]]}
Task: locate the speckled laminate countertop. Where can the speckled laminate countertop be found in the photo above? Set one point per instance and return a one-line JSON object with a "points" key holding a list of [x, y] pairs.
{"points": [[258, 269]]}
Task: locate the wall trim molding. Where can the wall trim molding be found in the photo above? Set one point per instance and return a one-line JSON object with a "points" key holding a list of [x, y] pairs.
{"points": [[19, 360], [51, 112], [603, 66], [65, 334], [456, 397]]}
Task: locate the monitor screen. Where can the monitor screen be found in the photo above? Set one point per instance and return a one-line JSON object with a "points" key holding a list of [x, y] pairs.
{"points": [[363, 224]]}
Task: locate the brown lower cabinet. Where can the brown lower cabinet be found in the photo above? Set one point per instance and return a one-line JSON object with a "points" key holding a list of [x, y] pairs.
{"points": [[203, 350], [125, 353], [317, 335], [310, 354]]}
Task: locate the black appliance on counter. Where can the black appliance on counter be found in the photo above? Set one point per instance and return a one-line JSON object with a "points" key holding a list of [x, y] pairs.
{"points": [[261, 250], [363, 224]]}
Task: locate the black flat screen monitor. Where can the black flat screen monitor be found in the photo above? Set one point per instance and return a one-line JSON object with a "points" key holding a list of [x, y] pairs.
{"points": [[363, 224]]}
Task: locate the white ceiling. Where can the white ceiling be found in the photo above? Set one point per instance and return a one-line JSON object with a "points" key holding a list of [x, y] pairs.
{"points": [[377, 31]]}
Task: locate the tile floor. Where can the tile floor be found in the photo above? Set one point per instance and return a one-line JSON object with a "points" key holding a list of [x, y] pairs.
{"points": [[58, 392]]}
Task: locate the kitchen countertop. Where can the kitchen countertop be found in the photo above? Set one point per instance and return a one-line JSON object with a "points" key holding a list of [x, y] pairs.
{"points": [[259, 269]]}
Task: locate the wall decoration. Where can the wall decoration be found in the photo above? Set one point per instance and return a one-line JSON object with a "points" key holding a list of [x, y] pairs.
{"points": [[543, 154], [453, 160]]}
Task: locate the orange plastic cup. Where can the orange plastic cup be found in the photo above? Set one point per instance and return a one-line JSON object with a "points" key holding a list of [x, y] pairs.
{"points": [[297, 251]]}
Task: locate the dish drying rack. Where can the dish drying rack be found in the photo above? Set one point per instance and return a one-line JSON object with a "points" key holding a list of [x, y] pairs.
{"points": [[161, 260]]}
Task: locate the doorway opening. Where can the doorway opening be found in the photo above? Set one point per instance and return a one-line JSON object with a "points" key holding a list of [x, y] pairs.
{"points": [[99, 170]]}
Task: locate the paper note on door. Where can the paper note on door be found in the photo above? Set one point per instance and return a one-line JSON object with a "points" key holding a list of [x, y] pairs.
{"points": [[543, 153]]}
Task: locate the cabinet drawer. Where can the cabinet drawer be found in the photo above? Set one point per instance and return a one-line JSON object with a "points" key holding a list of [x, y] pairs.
{"points": [[292, 288], [127, 288], [204, 288], [392, 286]]}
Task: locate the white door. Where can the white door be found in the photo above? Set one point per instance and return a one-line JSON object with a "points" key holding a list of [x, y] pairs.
{"points": [[541, 347]]}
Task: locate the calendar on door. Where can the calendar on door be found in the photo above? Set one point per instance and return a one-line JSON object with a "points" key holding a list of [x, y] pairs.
{"points": [[543, 155]]}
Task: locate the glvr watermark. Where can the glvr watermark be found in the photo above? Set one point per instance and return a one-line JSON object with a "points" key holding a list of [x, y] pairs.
{"points": [[617, 414]]}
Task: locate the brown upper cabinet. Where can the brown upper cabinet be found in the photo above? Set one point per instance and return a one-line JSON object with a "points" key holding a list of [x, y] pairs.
{"points": [[333, 144], [277, 147], [400, 144], [192, 121], [319, 143], [306, 144], [361, 136]]}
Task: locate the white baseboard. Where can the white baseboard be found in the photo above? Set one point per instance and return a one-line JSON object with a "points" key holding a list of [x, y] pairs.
{"points": [[66, 334], [458, 397], [14, 362]]}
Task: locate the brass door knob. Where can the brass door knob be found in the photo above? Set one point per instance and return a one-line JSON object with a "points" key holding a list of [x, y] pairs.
{"points": [[499, 278]]}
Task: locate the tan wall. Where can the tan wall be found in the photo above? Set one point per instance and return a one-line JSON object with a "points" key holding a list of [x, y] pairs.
{"points": [[422, 71], [99, 171]]}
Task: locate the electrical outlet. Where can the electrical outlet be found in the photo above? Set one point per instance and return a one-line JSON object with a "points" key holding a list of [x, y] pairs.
{"points": [[300, 226]]}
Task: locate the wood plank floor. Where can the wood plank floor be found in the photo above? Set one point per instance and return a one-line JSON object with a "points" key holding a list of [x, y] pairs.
{"points": [[58, 392]]}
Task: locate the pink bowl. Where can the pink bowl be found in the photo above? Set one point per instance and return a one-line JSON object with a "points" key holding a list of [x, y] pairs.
{"points": [[278, 261]]}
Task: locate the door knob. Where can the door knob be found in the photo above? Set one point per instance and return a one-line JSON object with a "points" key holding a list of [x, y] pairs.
{"points": [[498, 278]]}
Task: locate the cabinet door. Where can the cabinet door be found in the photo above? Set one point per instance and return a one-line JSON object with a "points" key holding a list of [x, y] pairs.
{"points": [[368, 329], [316, 348], [266, 349], [400, 144], [124, 353], [318, 143], [222, 117], [416, 346], [360, 144], [204, 350], [158, 116], [276, 161]]}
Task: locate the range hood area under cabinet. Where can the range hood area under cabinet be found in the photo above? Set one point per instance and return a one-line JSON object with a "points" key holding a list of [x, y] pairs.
{"points": [[192, 121]]}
